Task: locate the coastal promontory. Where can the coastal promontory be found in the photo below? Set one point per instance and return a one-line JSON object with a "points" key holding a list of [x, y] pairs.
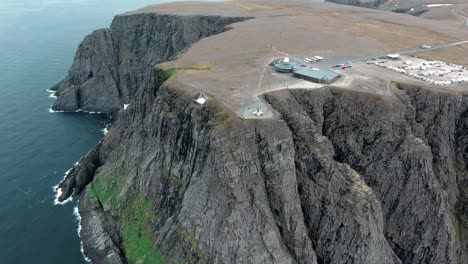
{"points": [[216, 156]]}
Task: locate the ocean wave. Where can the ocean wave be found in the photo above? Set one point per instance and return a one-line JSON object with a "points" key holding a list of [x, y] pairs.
{"points": [[51, 93], [58, 191], [77, 111], [54, 111], [76, 213], [88, 112]]}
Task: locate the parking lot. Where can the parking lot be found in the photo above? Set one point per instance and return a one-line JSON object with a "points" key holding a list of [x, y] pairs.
{"points": [[433, 72]]}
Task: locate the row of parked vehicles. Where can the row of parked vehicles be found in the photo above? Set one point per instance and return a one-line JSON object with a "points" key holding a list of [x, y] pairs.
{"points": [[313, 59], [341, 67]]}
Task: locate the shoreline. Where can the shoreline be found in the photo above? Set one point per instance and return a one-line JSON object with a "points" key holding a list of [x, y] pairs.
{"points": [[58, 190], [76, 213]]}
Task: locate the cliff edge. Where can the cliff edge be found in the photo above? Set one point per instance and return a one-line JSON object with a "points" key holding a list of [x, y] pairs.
{"points": [[342, 177], [337, 176], [111, 64], [360, 3]]}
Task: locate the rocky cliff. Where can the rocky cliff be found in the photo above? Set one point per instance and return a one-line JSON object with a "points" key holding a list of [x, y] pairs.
{"points": [[409, 151], [343, 177], [340, 177], [413, 8], [360, 3], [111, 64]]}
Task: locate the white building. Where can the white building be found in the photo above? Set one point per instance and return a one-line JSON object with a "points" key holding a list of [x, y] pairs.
{"points": [[394, 56]]}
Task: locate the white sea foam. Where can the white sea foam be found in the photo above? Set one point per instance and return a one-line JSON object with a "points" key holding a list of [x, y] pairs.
{"points": [[105, 131], [51, 93], [77, 215], [88, 112], [58, 191], [53, 111], [77, 111]]}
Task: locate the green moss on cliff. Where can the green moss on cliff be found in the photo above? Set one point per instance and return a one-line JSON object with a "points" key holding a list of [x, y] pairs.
{"points": [[166, 74], [106, 188], [195, 67], [137, 231], [136, 219], [170, 72], [135, 213]]}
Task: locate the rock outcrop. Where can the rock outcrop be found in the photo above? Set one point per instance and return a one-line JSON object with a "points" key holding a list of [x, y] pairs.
{"points": [[413, 8], [361, 3], [343, 177], [405, 149], [339, 177], [111, 64]]}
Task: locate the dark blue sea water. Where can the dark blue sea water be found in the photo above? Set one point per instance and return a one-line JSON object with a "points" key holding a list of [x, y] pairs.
{"points": [[38, 39]]}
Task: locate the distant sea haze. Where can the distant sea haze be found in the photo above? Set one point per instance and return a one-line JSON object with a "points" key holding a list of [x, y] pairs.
{"points": [[37, 45]]}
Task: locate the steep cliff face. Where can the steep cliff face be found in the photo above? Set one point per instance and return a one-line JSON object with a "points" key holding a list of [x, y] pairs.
{"points": [[343, 177], [111, 64], [360, 3], [407, 150], [340, 177]]}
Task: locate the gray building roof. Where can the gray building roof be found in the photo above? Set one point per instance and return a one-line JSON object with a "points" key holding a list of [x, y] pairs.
{"points": [[319, 75], [284, 67]]}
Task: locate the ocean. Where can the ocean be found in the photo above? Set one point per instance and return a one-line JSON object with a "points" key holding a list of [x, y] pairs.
{"points": [[38, 40]]}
